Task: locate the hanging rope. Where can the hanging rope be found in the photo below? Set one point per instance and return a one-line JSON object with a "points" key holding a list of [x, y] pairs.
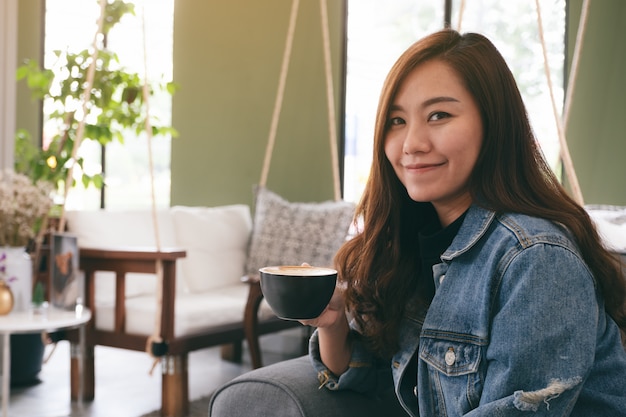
{"points": [[80, 131], [330, 98], [155, 337], [461, 10], [573, 74], [565, 155], [281, 92]]}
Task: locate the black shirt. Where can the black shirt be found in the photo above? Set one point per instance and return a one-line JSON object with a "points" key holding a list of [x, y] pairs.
{"points": [[433, 241]]}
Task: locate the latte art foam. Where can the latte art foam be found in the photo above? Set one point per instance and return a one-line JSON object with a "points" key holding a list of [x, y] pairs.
{"points": [[298, 271]]}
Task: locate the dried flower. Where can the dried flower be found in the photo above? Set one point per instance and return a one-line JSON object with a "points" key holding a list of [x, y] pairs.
{"points": [[23, 207]]}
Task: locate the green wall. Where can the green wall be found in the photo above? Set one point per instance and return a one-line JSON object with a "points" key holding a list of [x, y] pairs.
{"points": [[227, 60], [596, 132]]}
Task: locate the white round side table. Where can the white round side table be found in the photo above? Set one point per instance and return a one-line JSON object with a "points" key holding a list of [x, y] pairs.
{"points": [[51, 319]]}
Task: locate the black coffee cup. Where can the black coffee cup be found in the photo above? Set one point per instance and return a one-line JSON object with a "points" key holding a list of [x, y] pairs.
{"points": [[298, 292]]}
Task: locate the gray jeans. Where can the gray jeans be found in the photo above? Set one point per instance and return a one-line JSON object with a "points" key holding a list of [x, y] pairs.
{"points": [[290, 389]]}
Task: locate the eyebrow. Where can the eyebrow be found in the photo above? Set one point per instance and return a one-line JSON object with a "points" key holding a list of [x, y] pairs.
{"points": [[429, 102], [440, 99]]}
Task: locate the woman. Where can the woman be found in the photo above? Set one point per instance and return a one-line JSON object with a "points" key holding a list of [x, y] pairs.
{"points": [[475, 275]]}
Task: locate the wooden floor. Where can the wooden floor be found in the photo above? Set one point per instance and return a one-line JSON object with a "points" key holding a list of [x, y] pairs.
{"points": [[124, 387]]}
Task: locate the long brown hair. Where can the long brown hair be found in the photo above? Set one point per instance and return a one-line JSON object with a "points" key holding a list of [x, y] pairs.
{"points": [[380, 263]]}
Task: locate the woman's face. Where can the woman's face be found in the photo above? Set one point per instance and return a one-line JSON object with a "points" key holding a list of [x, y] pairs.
{"points": [[433, 137]]}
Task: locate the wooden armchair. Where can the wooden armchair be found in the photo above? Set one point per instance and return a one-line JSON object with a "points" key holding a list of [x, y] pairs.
{"points": [[174, 349]]}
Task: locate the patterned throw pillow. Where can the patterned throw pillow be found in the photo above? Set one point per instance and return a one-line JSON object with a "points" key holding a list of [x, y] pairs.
{"points": [[286, 233]]}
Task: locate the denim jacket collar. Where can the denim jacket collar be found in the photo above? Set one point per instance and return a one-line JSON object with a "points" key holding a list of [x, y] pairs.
{"points": [[475, 225]]}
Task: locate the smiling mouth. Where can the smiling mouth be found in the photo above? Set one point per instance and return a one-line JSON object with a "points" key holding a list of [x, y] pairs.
{"points": [[421, 167]]}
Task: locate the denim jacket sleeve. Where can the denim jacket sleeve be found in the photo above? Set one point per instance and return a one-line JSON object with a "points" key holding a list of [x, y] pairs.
{"points": [[363, 369], [547, 318]]}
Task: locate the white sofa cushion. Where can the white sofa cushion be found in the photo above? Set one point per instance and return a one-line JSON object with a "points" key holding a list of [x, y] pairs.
{"points": [[194, 312], [216, 241], [102, 228]]}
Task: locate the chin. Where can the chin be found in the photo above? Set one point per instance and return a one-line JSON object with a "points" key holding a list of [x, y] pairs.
{"points": [[421, 197]]}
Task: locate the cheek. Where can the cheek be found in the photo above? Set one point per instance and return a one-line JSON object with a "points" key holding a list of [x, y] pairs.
{"points": [[478, 144], [392, 149], [468, 159], [469, 146]]}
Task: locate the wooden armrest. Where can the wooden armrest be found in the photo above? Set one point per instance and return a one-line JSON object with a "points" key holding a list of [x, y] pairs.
{"points": [[132, 253], [251, 318]]}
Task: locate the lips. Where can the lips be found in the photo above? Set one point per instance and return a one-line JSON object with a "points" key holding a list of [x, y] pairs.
{"points": [[422, 167]]}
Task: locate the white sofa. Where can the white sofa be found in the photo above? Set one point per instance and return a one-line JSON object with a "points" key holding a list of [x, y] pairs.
{"points": [[209, 290], [210, 299]]}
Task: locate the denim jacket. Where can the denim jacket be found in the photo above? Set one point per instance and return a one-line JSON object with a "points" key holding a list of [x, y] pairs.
{"points": [[517, 327]]}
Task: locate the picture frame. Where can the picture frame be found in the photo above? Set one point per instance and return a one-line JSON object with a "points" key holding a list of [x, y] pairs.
{"points": [[66, 283]]}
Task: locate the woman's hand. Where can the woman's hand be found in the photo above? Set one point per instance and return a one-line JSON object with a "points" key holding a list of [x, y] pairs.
{"points": [[333, 329]]}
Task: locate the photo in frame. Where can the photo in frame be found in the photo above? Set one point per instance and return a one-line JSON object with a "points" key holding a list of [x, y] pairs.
{"points": [[66, 289]]}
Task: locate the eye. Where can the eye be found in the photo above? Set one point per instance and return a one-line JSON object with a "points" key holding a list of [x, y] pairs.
{"points": [[438, 115], [395, 121]]}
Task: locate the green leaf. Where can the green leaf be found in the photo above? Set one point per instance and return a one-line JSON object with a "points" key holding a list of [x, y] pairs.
{"points": [[172, 87], [21, 72], [98, 181]]}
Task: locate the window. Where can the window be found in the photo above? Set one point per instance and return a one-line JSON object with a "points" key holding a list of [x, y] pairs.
{"points": [[70, 25], [378, 33]]}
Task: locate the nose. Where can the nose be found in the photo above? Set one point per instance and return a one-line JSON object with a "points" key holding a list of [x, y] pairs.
{"points": [[416, 140]]}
